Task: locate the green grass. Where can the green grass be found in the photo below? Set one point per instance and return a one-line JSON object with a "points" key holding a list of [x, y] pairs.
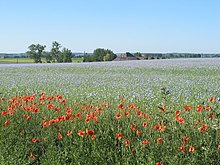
{"points": [[15, 60], [111, 98]]}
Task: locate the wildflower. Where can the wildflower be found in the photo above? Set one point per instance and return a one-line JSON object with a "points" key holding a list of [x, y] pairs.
{"points": [[69, 133], [60, 136], [50, 106], [139, 113], [133, 127], [191, 149], [119, 135], [203, 128], [159, 163], [93, 137], [145, 142], [34, 140], [89, 132], [118, 116], [69, 111], [177, 113], [127, 142], [32, 156], [160, 140], [187, 107], [208, 108], [127, 114], [211, 115], [144, 124], [138, 133], [121, 106], [185, 139], [219, 146], [182, 148], [81, 133], [5, 113], [7, 122], [199, 108], [212, 99]]}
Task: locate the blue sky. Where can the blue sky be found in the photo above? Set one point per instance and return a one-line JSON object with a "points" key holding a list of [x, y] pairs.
{"points": [[119, 25]]}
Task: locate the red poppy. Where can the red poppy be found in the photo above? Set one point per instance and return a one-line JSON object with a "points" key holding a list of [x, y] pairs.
{"points": [[127, 142], [219, 146], [182, 148], [81, 133], [69, 133], [160, 140], [7, 122], [145, 142], [34, 140], [32, 156], [212, 99], [60, 136], [187, 107], [144, 124], [93, 137], [89, 132], [69, 111], [118, 116], [138, 133], [119, 135], [191, 149], [159, 163], [185, 139], [133, 127]]}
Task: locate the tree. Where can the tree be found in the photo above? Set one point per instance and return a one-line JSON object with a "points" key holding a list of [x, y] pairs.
{"points": [[138, 54], [55, 52], [66, 55], [36, 52], [48, 57]]}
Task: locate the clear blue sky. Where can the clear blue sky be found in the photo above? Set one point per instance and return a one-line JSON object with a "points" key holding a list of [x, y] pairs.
{"points": [[119, 25]]}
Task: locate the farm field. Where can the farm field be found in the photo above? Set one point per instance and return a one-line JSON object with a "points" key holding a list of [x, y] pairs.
{"points": [[128, 112], [27, 60]]}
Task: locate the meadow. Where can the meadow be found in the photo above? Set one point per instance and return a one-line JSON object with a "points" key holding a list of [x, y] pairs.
{"points": [[128, 112]]}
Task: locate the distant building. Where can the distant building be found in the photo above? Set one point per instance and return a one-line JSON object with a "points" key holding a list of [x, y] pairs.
{"points": [[125, 56]]}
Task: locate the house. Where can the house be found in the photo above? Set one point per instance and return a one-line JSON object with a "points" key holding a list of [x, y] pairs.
{"points": [[125, 56]]}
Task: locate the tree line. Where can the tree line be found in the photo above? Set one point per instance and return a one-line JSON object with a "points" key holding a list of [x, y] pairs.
{"points": [[37, 52]]}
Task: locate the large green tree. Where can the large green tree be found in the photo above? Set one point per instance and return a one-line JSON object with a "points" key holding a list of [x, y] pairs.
{"points": [[56, 52], [100, 54], [36, 52], [66, 55]]}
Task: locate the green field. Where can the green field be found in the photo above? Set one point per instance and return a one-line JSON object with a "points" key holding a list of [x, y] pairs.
{"points": [[129, 112], [27, 60]]}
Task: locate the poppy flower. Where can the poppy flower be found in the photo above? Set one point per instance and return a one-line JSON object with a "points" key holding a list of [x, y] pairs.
{"points": [[219, 146], [191, 149], [119, 135], [159, 163], [138, 133], [81, 133], [144, 124], [185, 139], [69, 133], [145, 142], [89, 132], [212, 99], [60, 136], [133, 127], [121, 106], [160, 140], [127, 142], [34, 140], [118, 116], [187, 107], [93, 137], [32, 156], [182, 148], [7, 122]]}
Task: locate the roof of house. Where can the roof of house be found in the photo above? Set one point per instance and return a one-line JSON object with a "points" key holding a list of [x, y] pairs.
{"points": [[125, 56]]}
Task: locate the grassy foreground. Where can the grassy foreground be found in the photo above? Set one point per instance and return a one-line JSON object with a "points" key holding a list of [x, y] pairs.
{"points": [[111, 113]]}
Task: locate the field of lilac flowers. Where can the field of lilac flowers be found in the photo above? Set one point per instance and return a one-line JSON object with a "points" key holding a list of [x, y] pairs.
{"points": [[128, 112]]}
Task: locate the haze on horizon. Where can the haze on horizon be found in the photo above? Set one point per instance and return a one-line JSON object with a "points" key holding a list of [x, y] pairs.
{"points": [[120, 25]]}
